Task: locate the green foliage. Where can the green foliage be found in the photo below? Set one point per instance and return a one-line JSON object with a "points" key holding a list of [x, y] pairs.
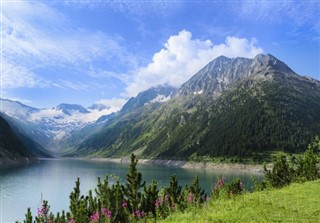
{"points": [[296, 203], [281, 173], [123, 203], [128, 203], [133, 185], [78, 204], [247, 120], [307, 165], [223, 189], [288, 169], [195, 193], [28, 216], [174, 191], [151, 193]]}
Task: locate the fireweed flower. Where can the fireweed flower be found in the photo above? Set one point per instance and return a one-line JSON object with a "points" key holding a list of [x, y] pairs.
{"points": [[190, 198], [95, 217], [138, 214], [41, 210], [71, 220], [104, 210], [124, 204], [108, 214], [158, 202], [240, 185]]}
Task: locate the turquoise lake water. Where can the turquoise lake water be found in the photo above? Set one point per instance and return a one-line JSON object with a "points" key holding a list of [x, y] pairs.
{"points": [[54, 179]]}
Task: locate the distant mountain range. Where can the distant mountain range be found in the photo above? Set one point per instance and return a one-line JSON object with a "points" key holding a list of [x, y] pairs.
{"points": [[231, 107]]}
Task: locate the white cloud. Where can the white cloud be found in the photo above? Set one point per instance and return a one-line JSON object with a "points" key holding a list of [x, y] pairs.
{"points": [[181, 57], [14, 76], [36, 36]]}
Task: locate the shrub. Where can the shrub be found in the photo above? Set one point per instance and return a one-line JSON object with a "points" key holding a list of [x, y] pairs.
{"points": [[281, 173], [295, 169], [227, 189]]}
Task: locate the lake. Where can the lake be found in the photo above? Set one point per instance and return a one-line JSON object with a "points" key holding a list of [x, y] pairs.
{"points": [[54, 179]]}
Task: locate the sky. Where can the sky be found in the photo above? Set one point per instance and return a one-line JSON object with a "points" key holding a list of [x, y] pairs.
{"points": [[85, 52]]}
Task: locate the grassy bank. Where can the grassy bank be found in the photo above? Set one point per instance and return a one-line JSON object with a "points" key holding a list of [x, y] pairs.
{"points": [[295, 203]]}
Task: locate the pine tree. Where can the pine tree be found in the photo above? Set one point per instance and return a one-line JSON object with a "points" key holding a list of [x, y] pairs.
{"points": [[119, 214], [174, 190], [149, 198], [196, 190], [28, 216], [307, 165], [104, 192], [78, 205], [134, 183]]}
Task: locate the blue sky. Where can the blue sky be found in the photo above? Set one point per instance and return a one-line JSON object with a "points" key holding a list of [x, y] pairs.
{"points": [[86, 52]]}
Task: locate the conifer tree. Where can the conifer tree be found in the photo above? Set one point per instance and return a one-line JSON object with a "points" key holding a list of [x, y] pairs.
{"points": [[78, 205], [150, 196], [119, 214], [196, 190], [174, 190], [28, 216], [134, 183], [104, 192]]}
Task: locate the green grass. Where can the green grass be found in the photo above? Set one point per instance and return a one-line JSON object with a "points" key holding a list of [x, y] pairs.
{"points": [[296, 203]]}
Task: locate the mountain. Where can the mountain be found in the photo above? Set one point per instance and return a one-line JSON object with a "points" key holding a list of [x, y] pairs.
{"points": [[70, 109], [152, 95], [215, 77], [231, 107], [99, 107], [12, 149], [51, 127]]}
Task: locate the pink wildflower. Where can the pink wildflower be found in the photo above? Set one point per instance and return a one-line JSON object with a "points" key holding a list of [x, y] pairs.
{"points": [[124, 204], [190, 198], [240, 184], [95, 217], [71, 220], [108, 214]]}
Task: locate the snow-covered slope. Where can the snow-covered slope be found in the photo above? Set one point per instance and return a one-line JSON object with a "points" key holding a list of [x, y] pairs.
{"points": [[48, 126]]}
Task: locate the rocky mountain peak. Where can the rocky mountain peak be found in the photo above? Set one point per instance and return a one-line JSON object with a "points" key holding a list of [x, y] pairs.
{"points": [[216, 76], [222, 72], [71, 108], [269, 64]]}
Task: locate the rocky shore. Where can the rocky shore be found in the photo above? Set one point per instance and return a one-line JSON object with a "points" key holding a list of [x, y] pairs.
{"points": [[191, 165]]}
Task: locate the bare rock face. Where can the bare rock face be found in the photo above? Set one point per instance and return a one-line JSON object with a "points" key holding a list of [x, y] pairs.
{"points": [[223, 72]]}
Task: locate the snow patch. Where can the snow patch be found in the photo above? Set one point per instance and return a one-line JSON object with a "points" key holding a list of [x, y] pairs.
{"points": [[197, 92], [161, 98]]}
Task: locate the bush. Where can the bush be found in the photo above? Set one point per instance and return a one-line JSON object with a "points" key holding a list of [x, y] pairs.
{"points": [[281, 173], [223, 189], [295, 169], [122, 203]]}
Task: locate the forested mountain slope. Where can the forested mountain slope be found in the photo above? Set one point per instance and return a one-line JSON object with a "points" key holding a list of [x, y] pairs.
{"points": [[231, 107]]}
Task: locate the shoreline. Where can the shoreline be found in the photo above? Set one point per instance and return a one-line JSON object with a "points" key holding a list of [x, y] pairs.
{"points": [[253, 168], [19, 161]]}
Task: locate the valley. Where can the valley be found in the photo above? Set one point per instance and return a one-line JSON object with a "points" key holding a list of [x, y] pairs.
{"points": [[233, 107]]}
